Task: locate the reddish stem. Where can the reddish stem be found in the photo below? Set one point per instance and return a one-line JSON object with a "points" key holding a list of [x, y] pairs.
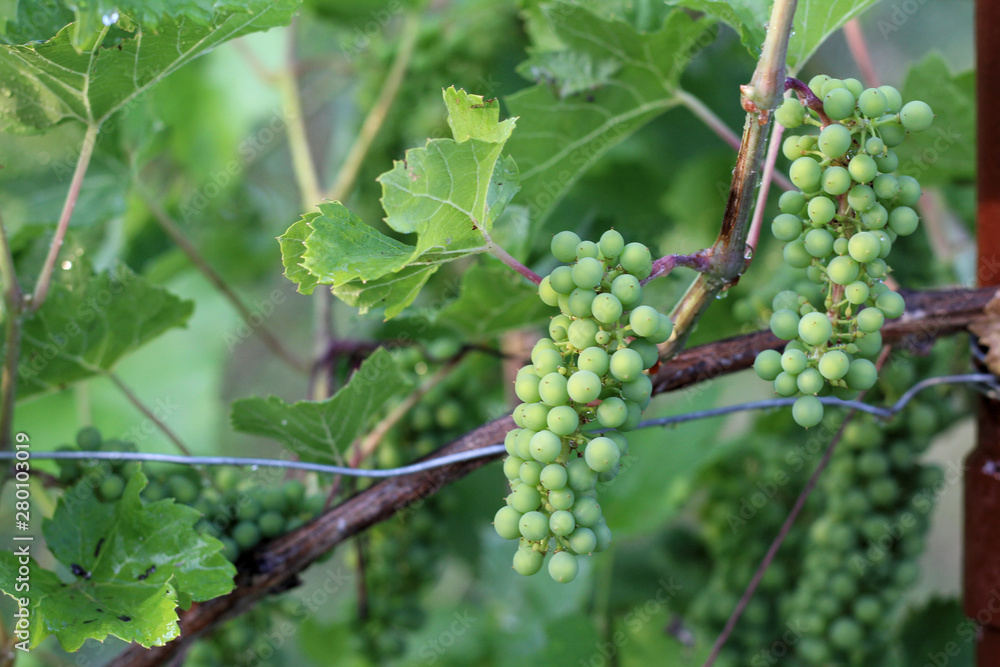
{"points": [[699, 261], [808, 98]]}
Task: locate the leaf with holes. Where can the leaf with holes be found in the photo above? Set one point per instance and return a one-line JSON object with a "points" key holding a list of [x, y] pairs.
{"points": [[133, 563], [48, 83]]}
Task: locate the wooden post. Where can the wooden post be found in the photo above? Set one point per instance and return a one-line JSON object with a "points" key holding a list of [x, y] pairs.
{"points": [[982, 477]]}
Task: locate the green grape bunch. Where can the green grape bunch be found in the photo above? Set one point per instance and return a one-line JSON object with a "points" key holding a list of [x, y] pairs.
{"points": [[589, 372], [840, 227]]}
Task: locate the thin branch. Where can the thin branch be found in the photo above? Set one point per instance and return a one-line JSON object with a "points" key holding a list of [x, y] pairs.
{"points": [[82, 162], [859, 51], [753, 236], [348, 172], [137, 402], [303, 164], [716, 124], [173, 230], [699, 261]]}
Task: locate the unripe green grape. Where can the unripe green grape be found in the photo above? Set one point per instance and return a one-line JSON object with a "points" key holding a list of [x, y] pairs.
{"points": [[271, 524], [545, 447], [821, 211], [583, 540], [814, 329], [563, 567], [581, 333], [639, 390], [796, 255], [558, 327], [601, 454], [648, 351], [553, 477], [872, 103], [817, 82], [807, 411], [884, 237], [843, 270], [845, 633], [561, 280], [864, 247], [886, 186], [870, 345], [562, 499], [768, 364], [584, 386], [874, 146], [853, 85], [836, 180], [505, 522], [810, 381], [870, 320], [786, 227], [839, 103], [512, 467], [785, 299], [909, 191], [916, 116], [611, 244], [635, 259], [834, 140], [857, 292], [182, 488], [790, 113], [634, 416], [562, 420], [602, 337], [626, 288], [612, 412], [529, 472], [594, 359], [526, 387], [784, 324], [580, 477], [534, 526], [786, 384], [793, 361], [524, 498], [891, 131], [580, 301], [644, 320], [588, 272], [894, 101], [790, 147], [535, 416], [246, 534], [792, 202], [549, 296], [663, 330], [903, 220], [546, 361], [562, 523], [834, 364], [603, 535], [552, 390], [564, 245], [875, 218], [88, 439], [888, 162], [862, 168], [587, 249], [606, 308], [528, 561], [861, 375], [587, 511], [111, 488], [564, 305], [805, 173], [818, 242], [626, 365], [861, 197], [877, 269], [891, 304]]}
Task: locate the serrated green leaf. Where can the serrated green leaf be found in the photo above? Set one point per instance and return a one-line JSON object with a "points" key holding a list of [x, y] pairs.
{"points": [[48, 83], [320, 431], [493, 300], [815, 20], [449, 193], [132, 561], [939, 626], [88, 323], [947, 151], [558, 139]]}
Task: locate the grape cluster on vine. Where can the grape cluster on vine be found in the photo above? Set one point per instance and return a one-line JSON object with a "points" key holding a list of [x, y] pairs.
{"points": [[590, 370], [840, 226]]}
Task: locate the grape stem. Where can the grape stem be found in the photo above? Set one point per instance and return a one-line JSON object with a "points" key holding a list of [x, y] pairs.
{"points": [[509, 260], [699, 261], [808, 98]]}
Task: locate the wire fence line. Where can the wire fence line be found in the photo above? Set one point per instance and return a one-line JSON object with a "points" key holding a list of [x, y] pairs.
{"points": [[985, 380]]}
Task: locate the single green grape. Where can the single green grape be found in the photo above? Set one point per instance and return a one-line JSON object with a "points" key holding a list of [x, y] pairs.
{"points": [[834, 364], [528, 561], [864, 247], [818, 242], [530, 472], [611, 244], [562, 523], [810, 381], [834, 140], [587, 511], [807, 411], [862, 168], [796, 255], [891, 304], [582, 333], [562, 419], [894, 101], [821, 211], [524, 498], [843, 270], [505, 522], [580, 301], [594, 359], [554, 477], [585, 386], [534, 526], [587, 249], [806, 173], [602, 454], [836, 180], [636, 259], [545, 446], [786, 227], [583, 540], [861, 375], [768, 364], [814, 329], [606, 308], [644, 320], [839, 103], [627, 290], [792, 202], [872, 103], [587, 273], [626, 365], [564, 246], [784, 324], [612, 412], [916, 116], [563, 567], [903, 220]]}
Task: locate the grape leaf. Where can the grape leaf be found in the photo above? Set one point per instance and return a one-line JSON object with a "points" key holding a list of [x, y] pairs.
{"points": [[493, 300], [88, 323], [939, 632], [133, 563], [947, 151], [320, 431], [48, 83], [559, 138], [815, 20], [448, 193]]}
